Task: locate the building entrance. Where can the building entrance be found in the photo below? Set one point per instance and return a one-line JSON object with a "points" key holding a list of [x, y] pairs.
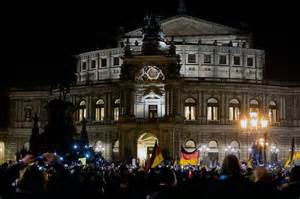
{"points": [[145, 145]]}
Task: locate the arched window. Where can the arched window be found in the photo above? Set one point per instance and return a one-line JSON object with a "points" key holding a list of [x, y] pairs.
{"points": [[212, 109], [116, 150], [116, 109], [26, 146], [234, 109], [213, 153], [254, 109], [272, 112], [116, 146], [213, 146], [82, 110], [190, 144], [233, 148], [274, 150], [99, 110], [190, 109], [28, 113], [98, 147]]}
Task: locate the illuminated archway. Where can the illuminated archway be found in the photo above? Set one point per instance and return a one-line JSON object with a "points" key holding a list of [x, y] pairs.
{"points": [[145, 145]]}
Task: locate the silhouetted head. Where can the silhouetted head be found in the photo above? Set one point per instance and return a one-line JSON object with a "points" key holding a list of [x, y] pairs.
{"points": [[231, 166], [261, 174], [166, 176], [295, 174]]}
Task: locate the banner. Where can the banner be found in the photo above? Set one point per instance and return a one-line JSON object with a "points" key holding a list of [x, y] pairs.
{"points": [[189, 158], [82, 160]]}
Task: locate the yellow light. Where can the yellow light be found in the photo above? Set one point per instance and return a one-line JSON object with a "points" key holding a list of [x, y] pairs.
{"points": [[261, 141], [244, 123], [264, 123], [253, 123]]}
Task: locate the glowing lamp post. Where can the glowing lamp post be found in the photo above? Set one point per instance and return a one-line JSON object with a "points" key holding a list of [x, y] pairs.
{"points": [[253, 126]]}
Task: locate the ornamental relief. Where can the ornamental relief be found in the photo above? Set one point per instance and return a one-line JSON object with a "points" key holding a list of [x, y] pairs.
{"points": [[149, 73]]}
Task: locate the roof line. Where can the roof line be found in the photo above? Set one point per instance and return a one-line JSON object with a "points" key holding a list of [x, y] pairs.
{"points": [[191, 17]]}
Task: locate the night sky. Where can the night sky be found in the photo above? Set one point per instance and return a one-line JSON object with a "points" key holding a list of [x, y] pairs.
{"points": [[39, 41]]}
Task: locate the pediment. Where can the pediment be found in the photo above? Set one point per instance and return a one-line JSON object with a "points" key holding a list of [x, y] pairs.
{"points": [[189, 26]]}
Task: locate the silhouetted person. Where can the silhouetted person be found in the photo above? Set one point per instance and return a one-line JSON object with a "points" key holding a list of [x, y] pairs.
{"points": [[263, 185], [166, 185], [293, 188], [231, 184]]}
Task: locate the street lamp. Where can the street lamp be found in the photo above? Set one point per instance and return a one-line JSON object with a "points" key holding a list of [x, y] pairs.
{"points": [[252, 127]]}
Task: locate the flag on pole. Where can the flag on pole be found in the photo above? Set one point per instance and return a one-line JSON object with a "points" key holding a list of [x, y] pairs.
{"points": [[250, 161], [291, 154], [188, 158], [155, 159]]}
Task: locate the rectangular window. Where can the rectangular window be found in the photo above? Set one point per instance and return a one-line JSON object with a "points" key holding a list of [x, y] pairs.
{"points": [[116, 113], [212, 113], [272, 115], [99, 113], [193, 113], [103, 62], [223, 59], [152, 111], [254, 113], [82, 113], [234, 113], [250, 61], [207, 59], [191, 58], [84, 65], [236, 60], [116, 61], [189, 112], [93, 64]]}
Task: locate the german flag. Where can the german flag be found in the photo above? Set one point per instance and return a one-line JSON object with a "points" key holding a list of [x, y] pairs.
{"points": [[189, 158], [155, 159]]}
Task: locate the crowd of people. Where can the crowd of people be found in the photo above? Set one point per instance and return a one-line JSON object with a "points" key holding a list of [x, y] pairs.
{"points": [[50, 177]]}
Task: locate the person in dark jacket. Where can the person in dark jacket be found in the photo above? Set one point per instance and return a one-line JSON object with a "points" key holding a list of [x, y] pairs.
{"points": [[263, 186], [166, 185], [292, 190], [231, 183]]}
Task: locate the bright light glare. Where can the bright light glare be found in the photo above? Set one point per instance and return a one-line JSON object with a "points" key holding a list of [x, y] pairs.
{"points": [[253, 123], [264, 123], [244, 123]]}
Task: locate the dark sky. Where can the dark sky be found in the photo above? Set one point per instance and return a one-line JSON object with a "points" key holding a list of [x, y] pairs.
{"points": [[40, 39]]}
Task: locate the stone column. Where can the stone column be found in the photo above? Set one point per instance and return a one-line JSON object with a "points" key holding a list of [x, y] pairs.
{"points": [[178, 101], [90, 110], [222, 109], [132, 102], [203, 108], [167, 102], [199, 107], [108, 106]]}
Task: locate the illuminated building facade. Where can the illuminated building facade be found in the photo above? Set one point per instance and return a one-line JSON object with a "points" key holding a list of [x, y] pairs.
{"points": [[182, 81]]}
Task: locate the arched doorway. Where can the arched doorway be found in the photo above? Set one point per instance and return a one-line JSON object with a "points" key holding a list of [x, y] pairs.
{"points": [[2, 150], [233, 148], [116, 150], [145, 145], [213, 153]]}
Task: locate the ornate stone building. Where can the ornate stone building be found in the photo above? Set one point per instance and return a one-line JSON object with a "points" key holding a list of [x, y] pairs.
{"points": [[182, 81]]}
